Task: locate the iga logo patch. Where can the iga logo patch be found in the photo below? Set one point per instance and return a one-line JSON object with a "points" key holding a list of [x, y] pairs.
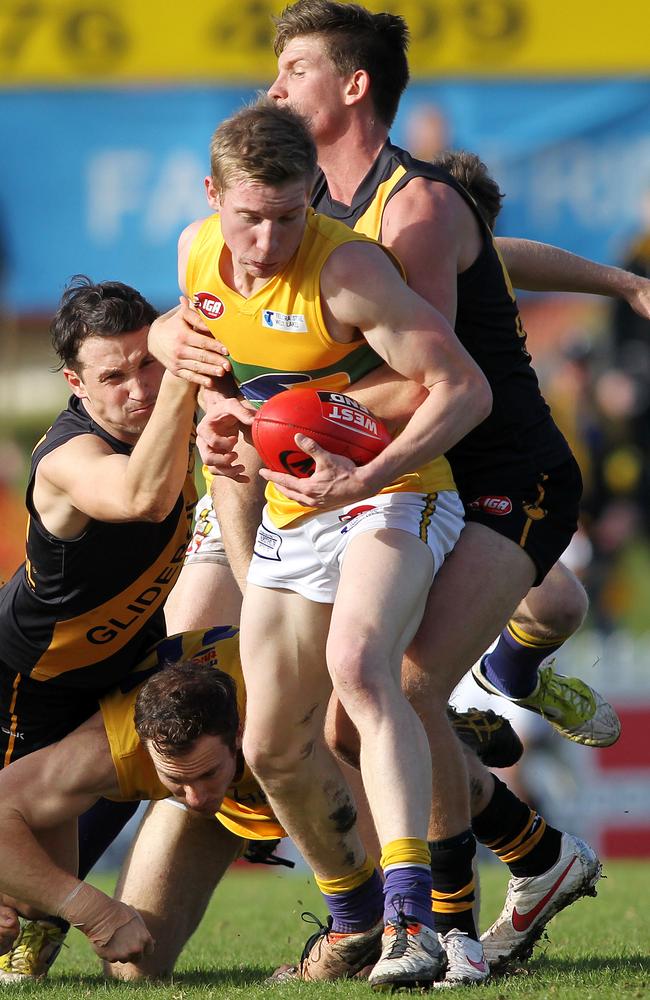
{"points": [[353, 514], [289, 322], [209, 305], [492, 505]]}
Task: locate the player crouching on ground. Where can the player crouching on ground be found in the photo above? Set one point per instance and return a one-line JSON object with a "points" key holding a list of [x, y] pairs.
{"points": [[176, 733]]}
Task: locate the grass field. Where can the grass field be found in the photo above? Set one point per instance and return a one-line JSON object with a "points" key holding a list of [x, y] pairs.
{"points": [[598, 948]]}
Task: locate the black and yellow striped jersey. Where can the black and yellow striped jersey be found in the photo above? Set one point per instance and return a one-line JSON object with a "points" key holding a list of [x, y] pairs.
{"points": [[519, 436], [79, 613]]}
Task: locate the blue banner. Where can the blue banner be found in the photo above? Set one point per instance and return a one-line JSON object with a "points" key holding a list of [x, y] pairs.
{"points": [[102, 182]]}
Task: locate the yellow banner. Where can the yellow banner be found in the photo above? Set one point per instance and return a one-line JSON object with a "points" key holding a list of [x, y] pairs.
{"points": [[77, 43]]}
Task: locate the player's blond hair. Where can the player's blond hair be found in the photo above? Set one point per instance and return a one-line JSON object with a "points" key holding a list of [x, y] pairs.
{"points": [[264, 143]]}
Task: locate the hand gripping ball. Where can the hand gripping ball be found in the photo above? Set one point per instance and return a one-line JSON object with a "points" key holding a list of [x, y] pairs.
{"points": [[336, 422]]}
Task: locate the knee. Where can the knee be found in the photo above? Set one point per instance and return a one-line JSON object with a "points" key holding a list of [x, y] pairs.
{"points": [[271, 760], [359, 674], [560, 609]]}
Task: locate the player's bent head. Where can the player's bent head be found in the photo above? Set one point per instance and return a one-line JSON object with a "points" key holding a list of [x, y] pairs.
{"points": [[263, 144], [355, 39], [183, 702], [89, 309]]}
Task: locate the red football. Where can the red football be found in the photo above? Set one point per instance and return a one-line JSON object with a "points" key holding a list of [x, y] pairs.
{"points": [[336, 422]]}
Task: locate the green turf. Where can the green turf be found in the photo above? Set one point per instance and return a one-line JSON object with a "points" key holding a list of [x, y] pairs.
{"points": [[598, 948]]}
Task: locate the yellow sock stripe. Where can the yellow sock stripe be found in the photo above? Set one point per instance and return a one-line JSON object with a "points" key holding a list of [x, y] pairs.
{"points": [[512, 844], [526, 847], [405, 850], [331, 886], [439, 907], [438, 896], [531, 641]]}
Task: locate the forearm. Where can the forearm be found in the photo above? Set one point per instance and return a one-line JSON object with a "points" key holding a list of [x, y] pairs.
{"points": [[449, 412], [539, 267], [158, 463], [27, 870], [239, 510], [388, 395]]}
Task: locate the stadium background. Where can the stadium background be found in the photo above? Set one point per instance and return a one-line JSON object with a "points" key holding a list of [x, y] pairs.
{"points": [[106, 109]]}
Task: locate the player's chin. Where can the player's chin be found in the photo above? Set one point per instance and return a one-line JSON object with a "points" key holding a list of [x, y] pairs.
{"points": [[138, 421], [208, 809]]}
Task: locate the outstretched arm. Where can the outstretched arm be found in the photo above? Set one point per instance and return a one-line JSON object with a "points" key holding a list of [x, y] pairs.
{"points": [[42, 793], [539, 267]]}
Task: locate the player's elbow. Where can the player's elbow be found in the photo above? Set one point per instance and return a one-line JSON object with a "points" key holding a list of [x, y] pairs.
{"points": [[152, 507], [480, 393]]}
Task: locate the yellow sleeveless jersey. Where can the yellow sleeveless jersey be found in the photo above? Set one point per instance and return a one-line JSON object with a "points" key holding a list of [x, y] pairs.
{"points": [[277, 338], [244, 811]]}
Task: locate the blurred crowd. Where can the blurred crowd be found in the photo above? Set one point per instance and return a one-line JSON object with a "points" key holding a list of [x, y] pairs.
{"points": [[599, 391]]}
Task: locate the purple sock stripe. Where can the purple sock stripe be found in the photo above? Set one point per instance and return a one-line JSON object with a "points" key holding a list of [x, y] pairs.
{"points": [[357, 909], [512, 668], [408, 890]]}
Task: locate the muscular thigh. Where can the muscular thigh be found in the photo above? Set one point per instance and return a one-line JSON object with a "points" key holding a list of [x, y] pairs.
{"points": [[205, 595], [385, 579], [470, 601], [394, 551], [282, 645]]}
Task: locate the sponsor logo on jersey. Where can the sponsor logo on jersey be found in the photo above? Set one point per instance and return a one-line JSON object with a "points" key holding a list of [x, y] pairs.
{"points": [[290, 322], [492, 505], [209, 305], [345, 411]]}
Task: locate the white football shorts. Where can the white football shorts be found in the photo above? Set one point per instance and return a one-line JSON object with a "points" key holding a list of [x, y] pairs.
{"points": [[307, 559], [206, 544]]}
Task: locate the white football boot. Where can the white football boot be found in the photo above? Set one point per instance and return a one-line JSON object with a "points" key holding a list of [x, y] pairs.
{"points": [[532, 902]]}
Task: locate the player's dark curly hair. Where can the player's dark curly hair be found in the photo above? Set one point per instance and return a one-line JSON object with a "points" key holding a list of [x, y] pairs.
{"points": [[470, 171], [355, 39], [88, 309], [183, 701]]}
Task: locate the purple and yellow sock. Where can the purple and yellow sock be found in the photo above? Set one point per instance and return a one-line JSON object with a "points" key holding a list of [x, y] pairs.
{"points": [[513, 663], [355, 901], [407, 889]]}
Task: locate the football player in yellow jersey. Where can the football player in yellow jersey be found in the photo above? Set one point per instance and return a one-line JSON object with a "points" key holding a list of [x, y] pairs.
{"points": [[350, 129], [375, 570], [173, 731]]}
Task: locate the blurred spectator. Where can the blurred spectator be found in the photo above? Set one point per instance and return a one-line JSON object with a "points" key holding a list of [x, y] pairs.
{"points": [[12, 508], [427, 132]]}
